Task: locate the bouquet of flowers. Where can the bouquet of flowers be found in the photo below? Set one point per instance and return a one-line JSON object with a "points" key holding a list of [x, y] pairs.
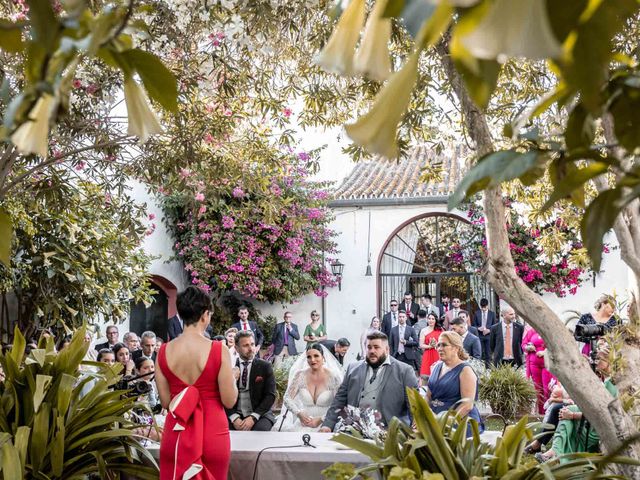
{"points": [[365, 423]]}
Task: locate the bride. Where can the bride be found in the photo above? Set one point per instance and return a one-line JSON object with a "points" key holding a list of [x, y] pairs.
{"points": [[314, 380]]}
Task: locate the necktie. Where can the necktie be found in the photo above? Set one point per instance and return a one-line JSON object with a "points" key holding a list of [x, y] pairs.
{"points": [[400, 345], [394, 319], [508, 349], [243, 380], [375, 374], [244, 326], [286, 335]]}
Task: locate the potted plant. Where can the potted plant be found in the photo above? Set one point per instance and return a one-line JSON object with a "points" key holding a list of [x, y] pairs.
{"points": [[507, 391]]}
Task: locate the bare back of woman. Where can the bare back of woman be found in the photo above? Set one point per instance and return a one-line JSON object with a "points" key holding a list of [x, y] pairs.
{"points": [[187, 356]]}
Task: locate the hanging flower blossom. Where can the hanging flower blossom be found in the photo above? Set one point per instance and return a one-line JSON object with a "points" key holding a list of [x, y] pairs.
{"points": [[33, 135], [142, 121]]}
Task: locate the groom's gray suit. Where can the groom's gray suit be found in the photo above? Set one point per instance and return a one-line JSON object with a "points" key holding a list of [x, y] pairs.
{"points": [[394, 403]]}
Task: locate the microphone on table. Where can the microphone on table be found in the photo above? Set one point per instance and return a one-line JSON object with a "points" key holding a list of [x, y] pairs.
{"points": [[306, 440]]}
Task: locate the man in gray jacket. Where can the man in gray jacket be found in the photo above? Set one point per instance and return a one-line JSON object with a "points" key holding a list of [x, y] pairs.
{"points": [[365, 381]]}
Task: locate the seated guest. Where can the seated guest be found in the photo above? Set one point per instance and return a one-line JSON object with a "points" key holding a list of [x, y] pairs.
{"points": [[314, 380], [365, 382], [337, 348], [403, 341], [453, 383], [470, 342], [230, 336], [374, 326], [427, 341], [256, 387], [573, 433], [147, 347], [123, 356], [112, 338], [284, 339], [558, 399]]}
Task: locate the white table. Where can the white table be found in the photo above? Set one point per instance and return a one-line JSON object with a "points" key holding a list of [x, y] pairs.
{"points": [[279, 462]]}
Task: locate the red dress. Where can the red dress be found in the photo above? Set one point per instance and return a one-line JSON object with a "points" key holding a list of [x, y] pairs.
{"points": [[430, 356], [195, 441]]}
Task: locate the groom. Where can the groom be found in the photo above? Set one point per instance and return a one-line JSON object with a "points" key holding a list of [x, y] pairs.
{"points": [[256, 388], [365, 381]]}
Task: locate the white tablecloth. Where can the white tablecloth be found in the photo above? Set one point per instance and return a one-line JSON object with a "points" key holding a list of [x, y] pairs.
{"points": [[280, 463]]}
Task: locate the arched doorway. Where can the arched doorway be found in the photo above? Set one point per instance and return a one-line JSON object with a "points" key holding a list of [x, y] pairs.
{"points": [[421, 257], [154, 317]]}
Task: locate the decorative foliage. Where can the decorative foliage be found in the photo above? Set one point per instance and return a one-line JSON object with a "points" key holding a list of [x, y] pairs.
{"points": [[60, 422], [555, 262], [507, 392], [267, 239]]}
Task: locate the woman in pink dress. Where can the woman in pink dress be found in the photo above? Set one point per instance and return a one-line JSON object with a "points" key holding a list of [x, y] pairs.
{"points": [[195, 382], [428, 339], [534, 348]]}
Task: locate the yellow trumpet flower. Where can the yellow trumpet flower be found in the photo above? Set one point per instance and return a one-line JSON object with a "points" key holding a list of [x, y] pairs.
{"points": [[376, 130], [514, 28], [142, 120], [337, 55], [33, 135], [373, 59]]}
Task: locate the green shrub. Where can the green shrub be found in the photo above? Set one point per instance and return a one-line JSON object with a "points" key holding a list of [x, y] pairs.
{"points": [[507, 392], [282, 378], [438, 449], [57, 423]]}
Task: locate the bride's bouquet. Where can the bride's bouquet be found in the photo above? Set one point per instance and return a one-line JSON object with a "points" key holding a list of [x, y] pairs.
{"points": [[363, 423]]}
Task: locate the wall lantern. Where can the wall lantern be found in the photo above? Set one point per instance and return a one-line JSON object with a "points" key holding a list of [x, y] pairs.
{"points": [[336, 269]]}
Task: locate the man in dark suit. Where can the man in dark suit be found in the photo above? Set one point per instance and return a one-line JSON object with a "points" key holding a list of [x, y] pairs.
{"points": [[403, 342], [483, 320], [174, 330], [244, 324], [445, 305], [284, 338], [256, 388], [505, 351], [390, 319], [470, 342], [147, 347], [410, 307], [338, 348], [112, 338]]}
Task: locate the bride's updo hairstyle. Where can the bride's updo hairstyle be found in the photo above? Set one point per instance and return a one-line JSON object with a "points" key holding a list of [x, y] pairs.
{"points": [[315, 346], [192, 303]]}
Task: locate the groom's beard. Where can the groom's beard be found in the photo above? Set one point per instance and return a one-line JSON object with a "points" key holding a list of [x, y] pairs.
{"points": [[380, 361]]}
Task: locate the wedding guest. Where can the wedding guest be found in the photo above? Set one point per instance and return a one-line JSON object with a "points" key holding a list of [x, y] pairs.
{"points": [[483, 320], [426, 303], [314, 380], [159, 342], [315, 331], [506, 339], [410, 308], [107, 356], [534, 349], [147, 346], [284, 339], [365, 381], [452, 313], [337, 348], [470, 342], [445, 305], [374, 326], [246, 325], [453, 383], [421, 323], [390, 319], [464, 315], [174, 330], [558, 399], [230, 336], [428, 340], [146, 368], [132, 341], [64, 343], [112, 338], [123, 356], [195, 382], [256, 386], [403, 341]]}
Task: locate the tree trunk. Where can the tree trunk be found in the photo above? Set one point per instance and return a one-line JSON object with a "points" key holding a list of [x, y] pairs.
{"points": [[564, 359]]}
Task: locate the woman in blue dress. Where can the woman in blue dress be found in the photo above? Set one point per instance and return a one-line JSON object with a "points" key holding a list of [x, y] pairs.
{"points": [[453, 383]]}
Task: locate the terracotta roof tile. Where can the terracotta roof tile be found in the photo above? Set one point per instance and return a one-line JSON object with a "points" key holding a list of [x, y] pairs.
{"points": [[382, 178]]}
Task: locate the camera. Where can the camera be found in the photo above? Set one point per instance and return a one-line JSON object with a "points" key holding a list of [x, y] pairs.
{"points": [[133, 388], [587, 333]]}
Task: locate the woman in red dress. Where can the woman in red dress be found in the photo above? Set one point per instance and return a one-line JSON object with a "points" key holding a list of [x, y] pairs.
{"points": [[195, 382], [428, 339]]}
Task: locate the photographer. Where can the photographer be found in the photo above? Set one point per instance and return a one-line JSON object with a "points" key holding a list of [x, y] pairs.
{"points": [[145, 385], [591, 327]]}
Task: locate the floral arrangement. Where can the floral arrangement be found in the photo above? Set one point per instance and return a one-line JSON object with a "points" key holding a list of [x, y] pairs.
{"points": [[267, 239], [556, 262], [362, 423]]}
